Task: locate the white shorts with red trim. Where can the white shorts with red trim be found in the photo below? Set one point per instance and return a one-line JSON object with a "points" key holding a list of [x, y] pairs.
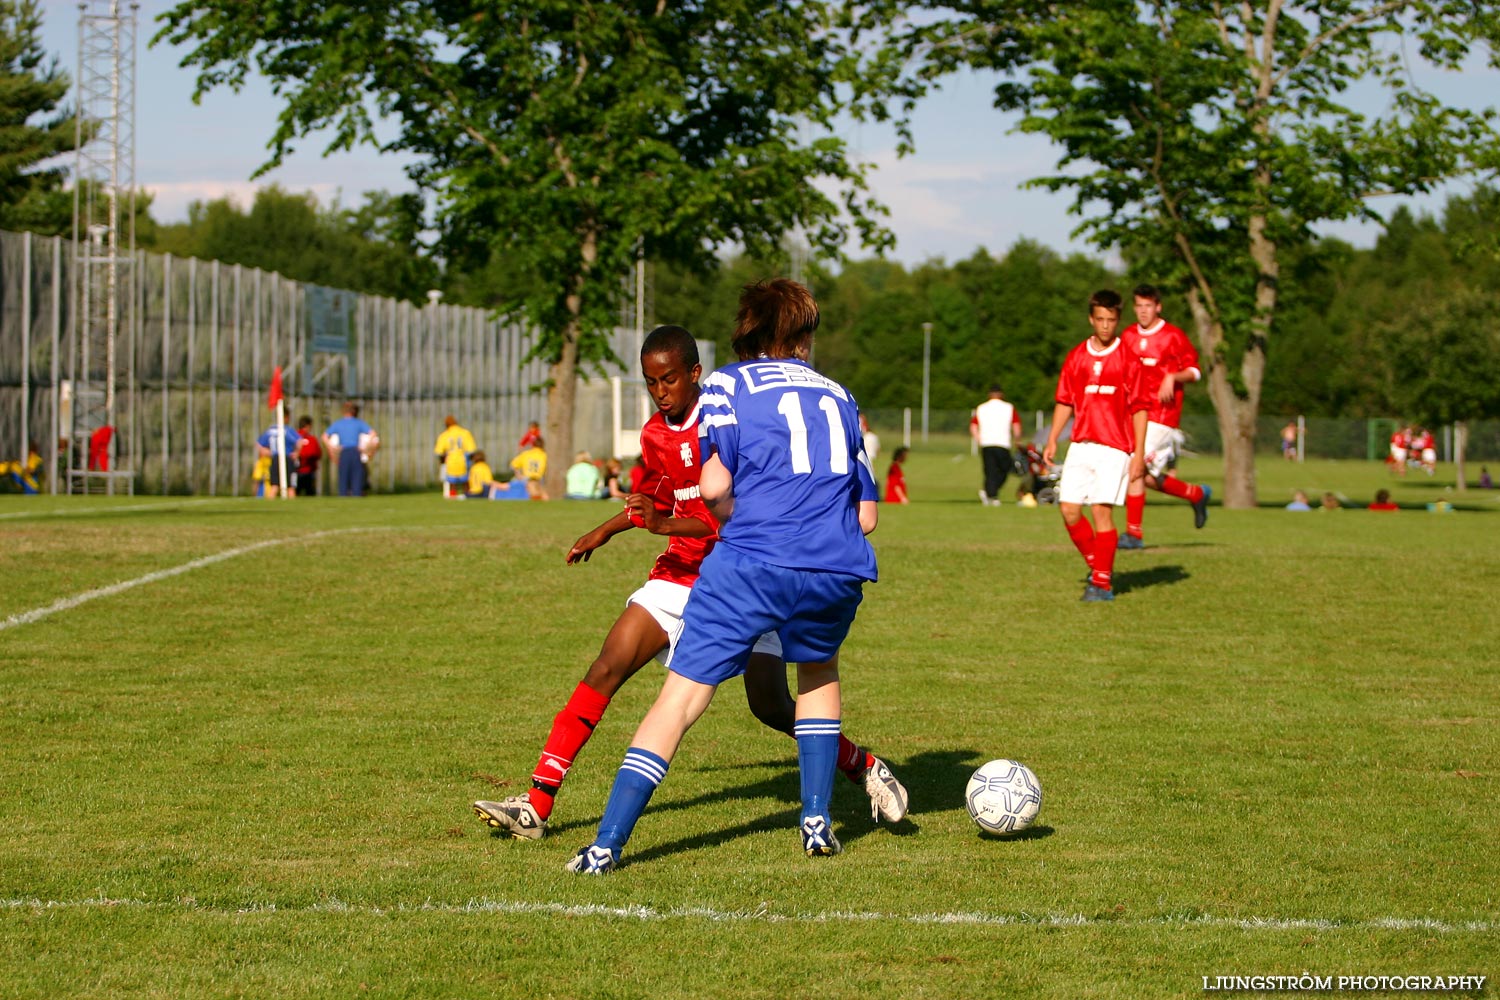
{"points": [[1094, 474], [664, 602]]}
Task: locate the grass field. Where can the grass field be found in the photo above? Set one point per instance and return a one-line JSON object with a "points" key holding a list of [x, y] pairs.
{"points": [[1276, 753]]}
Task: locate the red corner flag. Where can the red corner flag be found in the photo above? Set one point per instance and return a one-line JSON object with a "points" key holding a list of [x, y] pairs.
{"points": [[275, 396]]}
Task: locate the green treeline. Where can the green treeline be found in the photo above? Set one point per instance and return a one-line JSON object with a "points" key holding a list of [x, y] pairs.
{"points": [[1404, 327]]}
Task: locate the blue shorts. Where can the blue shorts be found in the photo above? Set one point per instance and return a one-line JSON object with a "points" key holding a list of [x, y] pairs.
{"points": [[737, 599]]}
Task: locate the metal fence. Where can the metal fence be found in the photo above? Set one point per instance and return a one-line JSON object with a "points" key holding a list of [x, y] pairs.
{"points": [[197, 353]]}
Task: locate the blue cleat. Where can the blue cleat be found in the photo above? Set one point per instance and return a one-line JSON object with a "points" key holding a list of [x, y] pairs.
{"points": [[1129, 541], [818, 839], [592, 860], [1091, 593], [1200, 509]]}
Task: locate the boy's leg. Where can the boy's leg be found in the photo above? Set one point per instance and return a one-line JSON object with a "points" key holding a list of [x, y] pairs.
{"points": [[633, 640], [679, 705], [819, 713], [771, 702], [1105, 541]]}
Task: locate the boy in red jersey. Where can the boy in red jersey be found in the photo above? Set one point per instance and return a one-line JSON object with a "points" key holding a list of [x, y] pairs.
{"points": [[1168, 361], [1103, 385], [667, 504]]}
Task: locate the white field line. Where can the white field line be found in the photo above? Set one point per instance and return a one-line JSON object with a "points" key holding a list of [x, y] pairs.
{"points": [[68, 603], [648, 914], [81, 511]]}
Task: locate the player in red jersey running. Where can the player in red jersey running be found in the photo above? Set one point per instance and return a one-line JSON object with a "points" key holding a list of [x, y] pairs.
{"points": [[1102, 387], [649, 627], [1169, 361]]}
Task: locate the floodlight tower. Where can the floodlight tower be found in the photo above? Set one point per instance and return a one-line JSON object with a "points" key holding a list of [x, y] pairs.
{"points": [[103, 221]]}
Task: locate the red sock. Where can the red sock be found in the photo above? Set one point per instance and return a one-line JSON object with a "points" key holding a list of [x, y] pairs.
{"points": [[1135, 513], [571, 729], [1104, 557], [1082, 534], [852, 760], [1174, 487]]}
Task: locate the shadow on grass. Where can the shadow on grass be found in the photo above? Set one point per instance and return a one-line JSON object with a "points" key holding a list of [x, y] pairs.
{"points": [[935, 769], [1140, 579], [1030, 833]]}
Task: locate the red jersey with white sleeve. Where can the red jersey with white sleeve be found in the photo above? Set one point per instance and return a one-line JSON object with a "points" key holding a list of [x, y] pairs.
{"points": [[671, 457], [1162, 348], [1104, 388]]}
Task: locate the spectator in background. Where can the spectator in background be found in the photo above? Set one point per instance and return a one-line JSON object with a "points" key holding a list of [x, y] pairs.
{"points": [[532, 437], [638, 474], [994, 426], [453, 448], [1485, 482], [895, 479], [481, 477], [281, 446], [25, 473], [369, 444], [871, 441], [1299, 502], [1289, 441], [582, 480], [613, 473], [346, 439], [309, 454], [1383, 501], [1331, 502], [531, 466]]}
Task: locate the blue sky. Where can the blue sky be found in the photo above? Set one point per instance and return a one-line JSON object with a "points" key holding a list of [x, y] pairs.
{"points": [[960, 191]]}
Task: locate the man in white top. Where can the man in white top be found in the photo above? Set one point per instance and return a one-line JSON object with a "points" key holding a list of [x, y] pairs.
{"points": [[995, 426]]}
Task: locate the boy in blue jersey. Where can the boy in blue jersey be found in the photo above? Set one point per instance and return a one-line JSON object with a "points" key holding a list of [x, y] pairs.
{"points": [[343, 439], [787, 477]]}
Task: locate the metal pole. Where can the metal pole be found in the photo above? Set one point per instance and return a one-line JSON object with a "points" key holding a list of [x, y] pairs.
{"points": [[213, 384], [192, 335], [25, 353], [57, 279], [926, 374], [166, 344]]}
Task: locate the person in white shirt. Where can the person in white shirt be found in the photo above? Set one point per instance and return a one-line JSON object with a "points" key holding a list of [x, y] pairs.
{"points": [[994, 426]]}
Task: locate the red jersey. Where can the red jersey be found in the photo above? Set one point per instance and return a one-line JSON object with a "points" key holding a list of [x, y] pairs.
{"points": [[895, 484], [309, 452], [1104, 388], [1162, 349], [671, 457], [1423, 441], [530, 438]]}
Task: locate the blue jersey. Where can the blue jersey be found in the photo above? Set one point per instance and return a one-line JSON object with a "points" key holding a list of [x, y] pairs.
{"points": [[346, 431], [291, 441], [790, 438]]}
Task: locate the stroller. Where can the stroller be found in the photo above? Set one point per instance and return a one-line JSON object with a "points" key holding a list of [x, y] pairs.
{"points": [[1038, 479]]}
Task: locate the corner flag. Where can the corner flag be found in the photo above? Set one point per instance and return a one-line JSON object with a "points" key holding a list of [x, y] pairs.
{"points": [[275, 396]]}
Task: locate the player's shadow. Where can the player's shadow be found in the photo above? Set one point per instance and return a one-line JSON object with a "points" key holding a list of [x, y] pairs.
{"points": [[933, 769], [1155, 576]]}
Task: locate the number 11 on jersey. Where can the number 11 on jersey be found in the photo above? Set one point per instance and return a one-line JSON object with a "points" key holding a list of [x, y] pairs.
{"points": [[790, 407]]}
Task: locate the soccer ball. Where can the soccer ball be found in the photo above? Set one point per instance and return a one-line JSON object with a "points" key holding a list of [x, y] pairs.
{"points": [[1004, 797]]}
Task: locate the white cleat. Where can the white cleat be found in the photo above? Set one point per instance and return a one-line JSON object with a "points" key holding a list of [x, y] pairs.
{"points": [[515, 815], [887, 795]]}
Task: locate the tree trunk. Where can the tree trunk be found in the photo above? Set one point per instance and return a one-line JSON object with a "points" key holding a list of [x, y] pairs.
{"points": [[1236, 414], [1460, 447], [561, 394]]}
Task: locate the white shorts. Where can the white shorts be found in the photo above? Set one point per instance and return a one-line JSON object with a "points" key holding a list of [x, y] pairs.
{"points": [[664, 601], [1162, 443], [1094, 474], [1398, 454], [1429, 456]]}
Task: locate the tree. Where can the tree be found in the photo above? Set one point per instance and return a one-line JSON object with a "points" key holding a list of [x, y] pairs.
{"points": [[564, 138], [373, 248], [1204, 138], [33, 128]]}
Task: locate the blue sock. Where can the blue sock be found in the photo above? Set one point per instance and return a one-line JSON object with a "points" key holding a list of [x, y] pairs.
{"points": [[817, 754], [639, 774]]}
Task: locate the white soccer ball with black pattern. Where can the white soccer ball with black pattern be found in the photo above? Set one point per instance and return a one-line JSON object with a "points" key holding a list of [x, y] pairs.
{"points": [[1004, 797]]}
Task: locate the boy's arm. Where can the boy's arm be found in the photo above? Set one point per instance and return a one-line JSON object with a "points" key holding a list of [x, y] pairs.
{"points": [[1061, 414], [585, 546]]}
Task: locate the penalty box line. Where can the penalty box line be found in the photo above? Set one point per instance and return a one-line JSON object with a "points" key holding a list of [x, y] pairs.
{"points": [[68, 603], [647, 914]]}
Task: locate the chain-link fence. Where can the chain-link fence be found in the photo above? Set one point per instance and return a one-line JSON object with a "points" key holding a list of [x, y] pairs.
{"points": [[199, 342]]}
